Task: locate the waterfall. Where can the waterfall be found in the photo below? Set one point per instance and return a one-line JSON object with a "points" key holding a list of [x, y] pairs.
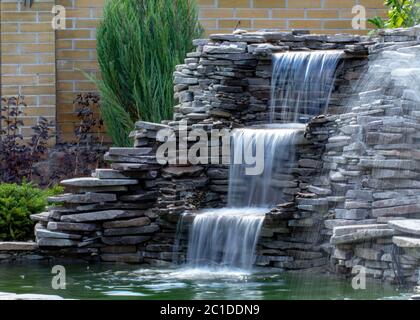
{"points": [[225, 238], [302, 84], [263, 190]]}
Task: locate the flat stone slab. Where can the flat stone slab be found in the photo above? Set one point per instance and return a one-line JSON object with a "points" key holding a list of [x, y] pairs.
{"points": [[49, 242], [343, 230], [95, 182], [102, 216], [150, 126], [44, 233], [333, 223], [69, 226], [130, 151], [406, 242], [108, 174], [180, 171], [396, 211], [86, 198], [138, 222], [40, 217], [406, 226], [124, 241], [13, 296], [389, 164], [18, 246], [134, 167], [362, 236], [131, 231]]}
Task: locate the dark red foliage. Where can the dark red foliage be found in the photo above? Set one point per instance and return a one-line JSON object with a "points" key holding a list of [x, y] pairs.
{"points": [[17, 157]]}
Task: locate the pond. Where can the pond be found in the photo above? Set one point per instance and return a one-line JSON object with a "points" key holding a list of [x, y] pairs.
{"points": [[130, 282]]}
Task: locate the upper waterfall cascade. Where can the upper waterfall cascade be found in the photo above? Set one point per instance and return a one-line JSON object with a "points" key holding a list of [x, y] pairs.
{"points": [[301, 84]]}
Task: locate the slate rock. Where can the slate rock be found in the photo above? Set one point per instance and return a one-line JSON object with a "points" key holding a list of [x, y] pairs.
{"points": [[127, 240], [101, 216], [406, 226]]}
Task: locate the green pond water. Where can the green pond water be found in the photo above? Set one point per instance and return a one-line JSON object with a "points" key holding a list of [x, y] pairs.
{"points": [[128, 282]]}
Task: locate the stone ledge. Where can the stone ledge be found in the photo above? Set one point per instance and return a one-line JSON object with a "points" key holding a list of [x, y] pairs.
{"points": [[406, 226], [18, 246], [406, 242], [95, 182]]}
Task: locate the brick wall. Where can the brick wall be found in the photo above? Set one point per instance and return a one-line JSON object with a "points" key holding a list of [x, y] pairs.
{"points": [[320, 16], [46, 66], [28, 58], [75, 51]]}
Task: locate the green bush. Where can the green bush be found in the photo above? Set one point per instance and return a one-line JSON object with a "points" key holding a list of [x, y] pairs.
{"points": [[139, 43], [401, 14], [17, 203]]}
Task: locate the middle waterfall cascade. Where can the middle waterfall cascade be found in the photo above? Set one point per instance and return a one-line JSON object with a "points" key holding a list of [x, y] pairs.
{"points": [[302, 84], [263, 190], [301, 87]]}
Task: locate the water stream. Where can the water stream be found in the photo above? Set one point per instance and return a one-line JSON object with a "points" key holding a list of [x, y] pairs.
{"points": [[302, 83]]}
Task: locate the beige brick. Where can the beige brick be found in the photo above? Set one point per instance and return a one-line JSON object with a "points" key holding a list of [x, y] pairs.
{"points": [[233, 4], [209, 24], [339, 4], [270, 3], [337, 24], [269, 24], [19, 59], [303, 4], [206, 3], [36, 27], [321, 14], [73, 54], [38, 90], [19, 80], [18, 16], [231, 24], [216, 13], [305, 24], [89, 3], [85, 44], [286, 13], [73, 34], [8, 6], [40, 111], [252, 13], [17, 38], [35, 69], [87, 23], [9, 27], [37, 48], [372, 3]]}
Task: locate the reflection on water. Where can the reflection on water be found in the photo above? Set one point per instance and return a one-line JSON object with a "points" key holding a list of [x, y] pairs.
{"points": [[128, 282]]}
